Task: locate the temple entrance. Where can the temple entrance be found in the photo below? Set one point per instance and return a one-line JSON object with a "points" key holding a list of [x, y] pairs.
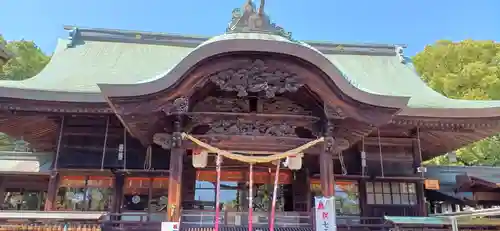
{"points": [[235, 190], [236, 196], [144, 195]]}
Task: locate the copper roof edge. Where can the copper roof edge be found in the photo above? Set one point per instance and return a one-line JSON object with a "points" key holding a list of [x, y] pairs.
{"points": [[244, 45], [131, 36]]}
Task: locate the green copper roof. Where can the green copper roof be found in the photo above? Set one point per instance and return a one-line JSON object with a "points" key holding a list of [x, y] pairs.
{"points": [[78, 66]]}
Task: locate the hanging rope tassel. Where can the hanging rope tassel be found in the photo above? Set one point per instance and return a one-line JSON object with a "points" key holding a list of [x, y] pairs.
{"points": [[147, 159], [380, 153], [250, 199], [218, 163], [253, 159], [124, 148], [363, 157], [104, 146], [275, 194], [59, 140], [342, 163], [419, 148]]}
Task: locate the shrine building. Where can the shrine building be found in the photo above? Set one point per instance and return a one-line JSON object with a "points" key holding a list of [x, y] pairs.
{"points": [[126, 122]]}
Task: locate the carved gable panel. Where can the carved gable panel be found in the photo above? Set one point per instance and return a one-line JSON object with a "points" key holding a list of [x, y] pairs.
{"points": [[215, 104], [281, 105], [253, 128], [256, 76]]}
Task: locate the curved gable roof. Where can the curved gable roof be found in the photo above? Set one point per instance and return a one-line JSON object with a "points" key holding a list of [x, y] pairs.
{"points": [[74, 72]]}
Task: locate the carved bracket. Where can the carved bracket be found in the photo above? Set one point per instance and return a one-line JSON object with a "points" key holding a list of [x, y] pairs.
{"points": [[179, 105], [168, 141], [334, 112], [256, 77], [334, 145], [164, 140]]}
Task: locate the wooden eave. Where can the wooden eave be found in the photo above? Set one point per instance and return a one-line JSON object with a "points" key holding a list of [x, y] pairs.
{"points": [[38, 130], [38, 122], [439, 135], [442, 196], [472, 184], [17, 105]]}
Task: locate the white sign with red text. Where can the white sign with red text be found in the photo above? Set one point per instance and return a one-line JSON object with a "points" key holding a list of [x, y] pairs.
{"points": [[325, 214], [170, 226]]}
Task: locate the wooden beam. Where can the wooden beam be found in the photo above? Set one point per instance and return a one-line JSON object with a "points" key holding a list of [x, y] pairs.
{"points": [[92, 131], [389, 141]]}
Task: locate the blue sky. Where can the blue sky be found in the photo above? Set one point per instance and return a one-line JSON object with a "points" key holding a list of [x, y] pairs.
{"points": [[415, 23]]}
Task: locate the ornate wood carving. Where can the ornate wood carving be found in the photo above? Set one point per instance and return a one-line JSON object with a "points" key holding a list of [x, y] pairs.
{"points": [[164, 140], [253, 128], [214, 104], [252, 124], [256, 77], [329, 144], [334, 113], [281, 105], [179, 105], [334, 145]]}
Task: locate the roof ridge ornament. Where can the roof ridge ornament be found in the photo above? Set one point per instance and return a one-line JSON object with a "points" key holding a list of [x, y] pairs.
{"points": [[400, 53], [248, 19]]}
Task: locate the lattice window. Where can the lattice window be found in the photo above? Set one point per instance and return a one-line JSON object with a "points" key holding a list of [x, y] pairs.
{"points": [[391, 193]]}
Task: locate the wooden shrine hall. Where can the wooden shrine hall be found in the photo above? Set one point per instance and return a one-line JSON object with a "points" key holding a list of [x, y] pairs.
{"points": [[135, 121]]}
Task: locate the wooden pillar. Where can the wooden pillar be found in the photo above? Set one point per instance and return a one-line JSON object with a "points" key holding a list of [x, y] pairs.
{"points": [[189, 183], [420, 189], [3, 181], [326, 168], [50, 201], [363, 199], [301, 188], [118, 184], [175, 180]]}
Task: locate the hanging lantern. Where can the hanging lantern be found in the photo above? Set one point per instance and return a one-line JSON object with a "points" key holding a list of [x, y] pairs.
{"points": [[294, 162], [200, 157]]}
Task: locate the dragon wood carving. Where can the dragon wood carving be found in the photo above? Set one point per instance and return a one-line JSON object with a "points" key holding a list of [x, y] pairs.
{"points": [[256, 77], [253, 128]]}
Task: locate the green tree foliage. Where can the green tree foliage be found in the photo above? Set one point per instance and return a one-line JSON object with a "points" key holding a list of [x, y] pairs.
{"points": [[28, 61], [465, 70]]}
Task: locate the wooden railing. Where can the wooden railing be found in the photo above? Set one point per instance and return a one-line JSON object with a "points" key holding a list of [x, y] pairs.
{"points": [[50, 227], [202, 219], [50, 221], [197, 218], [130, 221], [197, 221]]}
